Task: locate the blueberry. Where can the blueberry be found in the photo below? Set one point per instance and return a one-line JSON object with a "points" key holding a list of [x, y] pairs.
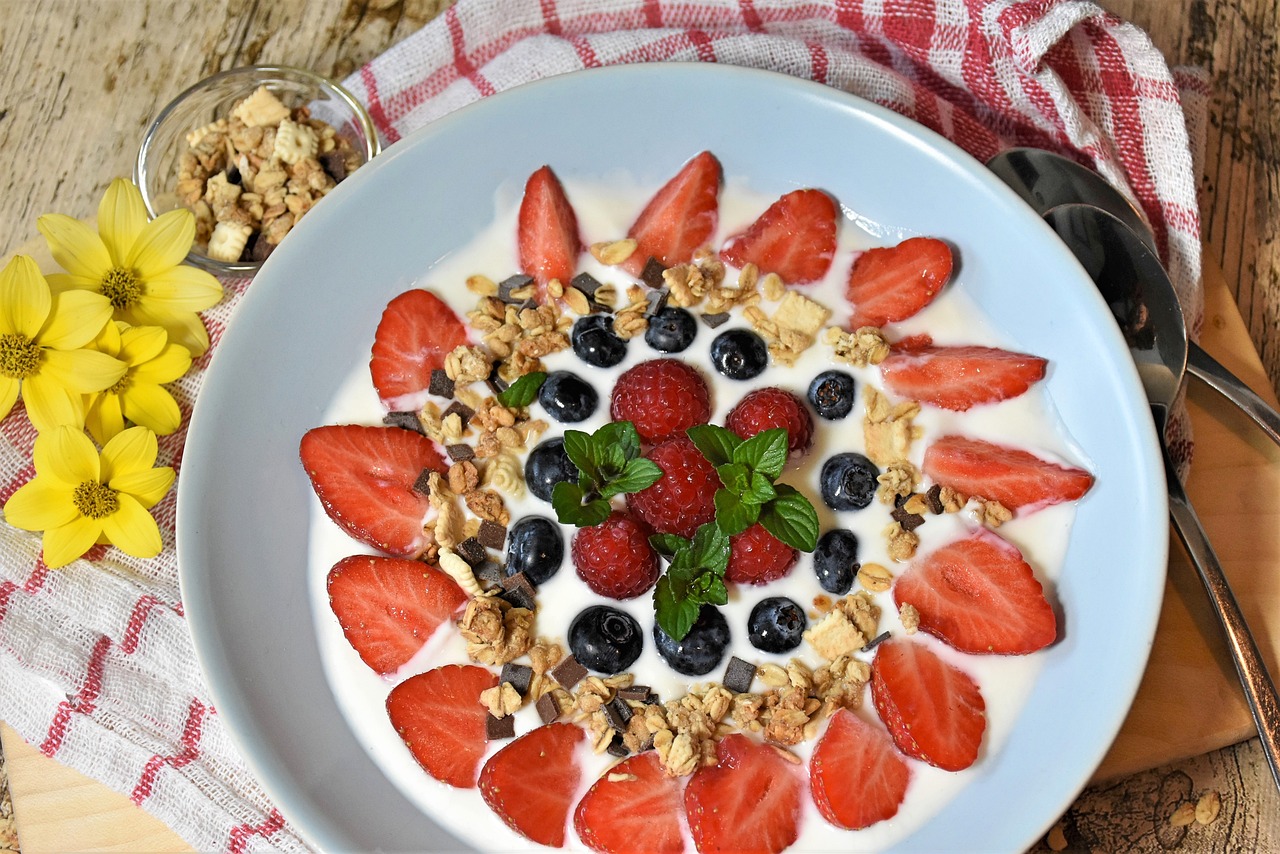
{"points": [[776, 624], [547, 465], [567, 397], [835, 560], [848, 481], [831, 394], [671, 330], [536, 548], [605, 639], [701, 650], [596, 343], [739, 354]]}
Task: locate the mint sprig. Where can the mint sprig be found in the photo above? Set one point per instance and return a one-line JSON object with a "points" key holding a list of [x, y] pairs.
{"points": [[609, 464], [694, 578], [523, 391]]}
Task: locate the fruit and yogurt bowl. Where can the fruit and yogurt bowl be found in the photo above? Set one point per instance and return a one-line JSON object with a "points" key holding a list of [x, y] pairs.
{"points": [[688, 519]]}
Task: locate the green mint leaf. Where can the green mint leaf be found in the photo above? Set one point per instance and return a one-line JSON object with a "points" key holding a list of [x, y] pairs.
{"points": [[667, 544], [523, 391], [736, 477], [716, 443], [581, 450], [674, 611], [716, 593], [765, 452], [635, 476], [566, 501], [621, 435], [791, 518], [759, 490], [709, 548], [734, 515]]}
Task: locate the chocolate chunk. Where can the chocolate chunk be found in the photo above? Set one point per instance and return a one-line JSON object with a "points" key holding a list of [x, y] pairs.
{"points": [[422, 485], [715, 320], [490, 575], [518, 675], [908, 521], [586, 283], [492, 535], [899, 500], [508, 286], [618, 713], [261, 249], [548, 708], [739, 675], [517, 590], [657, 301], [464, 412], [617, 747], [495, 382], [639, 693], [441, 385], [472, 551], [497, 729], [403, 420], [334, 165], [568, 672], [233, 175], [461, 452], [876, 641], [934, 499], [651, 275]]}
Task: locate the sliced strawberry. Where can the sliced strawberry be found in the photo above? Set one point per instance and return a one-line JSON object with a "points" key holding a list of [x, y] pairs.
{"points": [[933, 711], [957, 378], [547, 230], [442, 721], [795, 238], [389, 606], [1011, 476], [680, 218], [531, 783], [416, 332], [748, 802], [634, 807], [364, 478], [979, 596], [892, 283], [856, 776]]}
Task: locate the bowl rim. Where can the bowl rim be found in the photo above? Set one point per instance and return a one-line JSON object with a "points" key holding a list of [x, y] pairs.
{"points": [[372, 147]]}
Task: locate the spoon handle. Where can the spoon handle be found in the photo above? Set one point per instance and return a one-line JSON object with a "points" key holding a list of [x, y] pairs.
{"points": [[1206, 368], [1259, 688]]}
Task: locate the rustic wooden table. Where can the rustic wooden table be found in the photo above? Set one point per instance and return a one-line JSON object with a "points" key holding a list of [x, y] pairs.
{"points": [[84, 77]]}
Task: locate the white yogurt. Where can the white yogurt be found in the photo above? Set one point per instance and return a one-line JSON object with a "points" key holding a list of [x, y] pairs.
{"points": [[604, 212]]}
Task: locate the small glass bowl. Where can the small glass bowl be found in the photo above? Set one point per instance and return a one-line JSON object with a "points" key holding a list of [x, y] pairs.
{"points": [[156, 171]]}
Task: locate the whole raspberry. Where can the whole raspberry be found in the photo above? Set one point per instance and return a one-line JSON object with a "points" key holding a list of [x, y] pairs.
{"points": [[614, 558], [758, 557], [684, 497], [662, 397], [767, 408]]}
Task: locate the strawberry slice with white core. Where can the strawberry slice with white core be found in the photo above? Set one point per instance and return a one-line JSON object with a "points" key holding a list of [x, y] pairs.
{"points": [[933, 711], [633, 807], [532, 782], [1014, 477], [958, 378], [749, 801], [442, 721], [547, 231], [389, 607], [795, 238], [417, 331], [892, 283], [980, 596], [364, 478], [856, 776], [680, 218]]}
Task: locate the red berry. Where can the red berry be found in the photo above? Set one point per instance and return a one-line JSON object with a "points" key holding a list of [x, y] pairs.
{"points": [[958, 378], [856, 776], [680, 218], [684, 497], [750, 800], [892, 283], [1014, 477], [441, 719], [635, 806], [758, 557], [530, 784], [662, 397], [795, 238], [769, 408], [614, 558], [416, 332], [547, 230]]}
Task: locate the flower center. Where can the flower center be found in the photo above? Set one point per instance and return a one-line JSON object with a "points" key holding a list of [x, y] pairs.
{"points": [[19, 356], [95, 500], [121, 287], [120, 386]]}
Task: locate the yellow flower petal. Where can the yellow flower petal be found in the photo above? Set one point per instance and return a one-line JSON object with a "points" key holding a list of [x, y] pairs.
{"points": [[81, 371], [39, 505], [172, 363], [59, 282], [67, 455], [130, 451], [49, 403], [132, 529], [163, 243], [184, 288], [121, 217], [140, 344], [75, 246], [76, 319], [67, 542], [103, 416], [185, 328], [152, 407], [9, 388], [24, 298], [147, 486]]}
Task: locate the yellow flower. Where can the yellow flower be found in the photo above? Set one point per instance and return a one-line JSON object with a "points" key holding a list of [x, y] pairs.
{"points": [[42, 336], [79, 498], [138, 395], [136, 264]]}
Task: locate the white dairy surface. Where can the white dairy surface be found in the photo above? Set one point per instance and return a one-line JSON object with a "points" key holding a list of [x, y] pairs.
{"points": [[604, 213]]}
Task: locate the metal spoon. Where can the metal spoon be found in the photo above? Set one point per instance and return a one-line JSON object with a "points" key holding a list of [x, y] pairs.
{"points": [[1045, 180], [1131, 280]]}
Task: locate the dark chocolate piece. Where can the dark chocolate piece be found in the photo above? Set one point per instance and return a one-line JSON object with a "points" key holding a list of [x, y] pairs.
{"points": [[441, 385], [876, 641], [908, 521], [934, 499], [739, 675], [899, 500], [492, 535], [422, 485], [403, 420], [657, 301], [511, 284], [617, 747], [586, 283], [472, 551], [497, 729], [517, 590], [618, 713], [568, 672], [639, 693], [715, 320], [548, 708], [334, 164], [495, 382], [261, 249], [490, 575], [233, 175], [460, 452], [464, 412], [518, 675], [651, 275]]}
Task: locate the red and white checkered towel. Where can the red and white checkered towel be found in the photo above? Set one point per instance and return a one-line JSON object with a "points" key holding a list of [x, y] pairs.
{"points": [[96, 661]]}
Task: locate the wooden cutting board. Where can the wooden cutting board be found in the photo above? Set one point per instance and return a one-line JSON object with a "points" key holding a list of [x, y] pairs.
{"points": [[1189, 702]]}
